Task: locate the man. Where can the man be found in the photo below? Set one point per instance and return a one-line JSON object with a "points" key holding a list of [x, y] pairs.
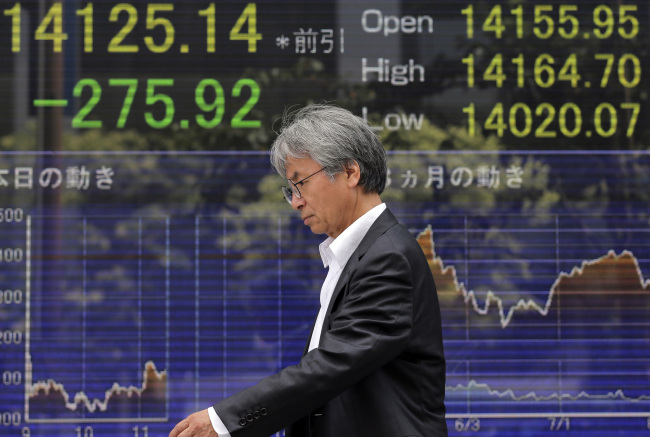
{"points": [[374, 365]]}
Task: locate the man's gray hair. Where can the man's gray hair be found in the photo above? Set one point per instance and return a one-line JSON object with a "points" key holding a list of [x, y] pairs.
{"points": [[334, 138]]}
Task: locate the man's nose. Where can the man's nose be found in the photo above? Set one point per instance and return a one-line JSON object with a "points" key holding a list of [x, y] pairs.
{"points": [[297, 202]]}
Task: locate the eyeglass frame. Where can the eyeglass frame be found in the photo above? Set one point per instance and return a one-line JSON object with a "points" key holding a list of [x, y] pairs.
{"points": [[288, 192]]}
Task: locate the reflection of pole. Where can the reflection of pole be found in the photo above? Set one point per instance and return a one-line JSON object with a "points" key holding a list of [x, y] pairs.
{"points": [[21, 78], [50, 120], [50, 132], [50, 83]]}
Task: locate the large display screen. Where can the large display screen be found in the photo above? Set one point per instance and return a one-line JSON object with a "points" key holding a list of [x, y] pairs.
{"points": [[150, 267]]}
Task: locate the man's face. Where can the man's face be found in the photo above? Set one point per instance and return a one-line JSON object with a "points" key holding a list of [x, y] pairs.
{"points": [[324, 205]]}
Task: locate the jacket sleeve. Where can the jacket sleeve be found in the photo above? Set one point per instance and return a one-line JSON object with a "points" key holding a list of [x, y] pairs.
{"points": [[368, 327]]}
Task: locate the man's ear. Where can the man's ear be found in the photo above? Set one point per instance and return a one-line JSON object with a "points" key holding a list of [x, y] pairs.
{"points": [[352, 174]]}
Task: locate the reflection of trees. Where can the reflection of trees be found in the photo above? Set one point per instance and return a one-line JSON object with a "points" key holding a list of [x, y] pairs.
{"points": [[203, 188], [536, 198], [233, 187]]}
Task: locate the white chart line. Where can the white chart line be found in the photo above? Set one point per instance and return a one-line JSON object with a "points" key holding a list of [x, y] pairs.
{"points": [[28, 319]]}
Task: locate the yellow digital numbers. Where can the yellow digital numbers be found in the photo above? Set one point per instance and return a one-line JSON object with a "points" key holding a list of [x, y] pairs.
{"points": [[161, 34], [548, 121], [153, 22], [249, 15], [547, 71], [116, 45], [545, 21], [53, 19]]}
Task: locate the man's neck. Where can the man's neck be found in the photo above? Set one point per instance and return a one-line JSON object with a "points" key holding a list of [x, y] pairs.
{"points": [[364, 202]]}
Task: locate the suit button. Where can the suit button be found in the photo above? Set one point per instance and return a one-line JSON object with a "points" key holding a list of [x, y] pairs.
{"points": [[249, 417], [242, 421], [263, 411], [256, 414]]}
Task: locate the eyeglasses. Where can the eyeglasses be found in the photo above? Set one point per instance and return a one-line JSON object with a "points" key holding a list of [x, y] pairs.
{"points": [[290, 192]]}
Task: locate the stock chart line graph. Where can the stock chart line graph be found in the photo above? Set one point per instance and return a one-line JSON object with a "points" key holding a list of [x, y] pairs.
{"points": [[567, 341], [153, 385], [539, 351], [90, 400], [575, 373], [617, 395], [624, 262]]}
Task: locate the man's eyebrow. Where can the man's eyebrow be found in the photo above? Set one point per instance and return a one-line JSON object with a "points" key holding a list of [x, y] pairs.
{"points": [[294, 175]]}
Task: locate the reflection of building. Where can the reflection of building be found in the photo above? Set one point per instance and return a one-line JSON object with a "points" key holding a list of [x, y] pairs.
{"points": [[361, 44], [25, 75], [389, 30], [14, 83]]}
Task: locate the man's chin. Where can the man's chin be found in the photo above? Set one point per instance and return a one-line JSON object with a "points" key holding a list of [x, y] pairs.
{"points": [[315, 228]]}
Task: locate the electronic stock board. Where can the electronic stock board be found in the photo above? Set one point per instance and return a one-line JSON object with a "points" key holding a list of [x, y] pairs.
{"points": [[149, 266]]}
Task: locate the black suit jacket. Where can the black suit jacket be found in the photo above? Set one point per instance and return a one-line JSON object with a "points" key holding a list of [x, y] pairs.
{"points": [[379, 370]]}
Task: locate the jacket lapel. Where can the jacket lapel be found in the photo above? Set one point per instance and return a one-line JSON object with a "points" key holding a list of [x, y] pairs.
{"points": [[385, 221]]}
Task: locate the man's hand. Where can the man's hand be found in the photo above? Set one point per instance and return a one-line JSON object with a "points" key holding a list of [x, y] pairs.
{"points": [[195, 425]]}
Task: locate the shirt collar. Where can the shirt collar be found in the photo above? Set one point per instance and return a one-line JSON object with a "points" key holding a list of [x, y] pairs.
{"points": [[339, 250]]}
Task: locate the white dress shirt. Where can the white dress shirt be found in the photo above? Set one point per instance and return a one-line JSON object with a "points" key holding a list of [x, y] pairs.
{"points": [[335, 253]]}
